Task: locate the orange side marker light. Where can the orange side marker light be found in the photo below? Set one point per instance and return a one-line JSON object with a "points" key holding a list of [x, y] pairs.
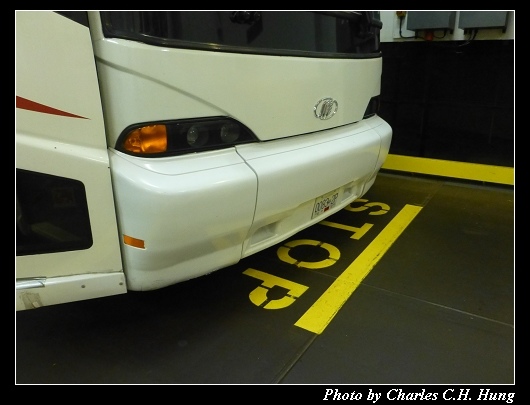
{"points": [[129, 240]]}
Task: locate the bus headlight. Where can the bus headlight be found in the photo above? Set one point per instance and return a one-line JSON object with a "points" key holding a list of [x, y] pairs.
{"points": [[169, 138]]}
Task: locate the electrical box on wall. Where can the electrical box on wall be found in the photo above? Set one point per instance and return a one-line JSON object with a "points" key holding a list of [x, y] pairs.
{"points": [[482, 19], [430, 20]]}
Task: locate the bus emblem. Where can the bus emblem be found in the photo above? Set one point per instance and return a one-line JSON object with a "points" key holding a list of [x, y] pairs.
{"points": [[325, 108]]}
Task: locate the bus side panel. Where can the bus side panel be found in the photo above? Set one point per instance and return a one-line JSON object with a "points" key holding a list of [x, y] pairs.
{"points": [[67, 242]]}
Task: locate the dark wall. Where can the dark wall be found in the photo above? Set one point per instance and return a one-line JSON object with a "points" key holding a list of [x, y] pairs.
{"points": [[450, 100]]}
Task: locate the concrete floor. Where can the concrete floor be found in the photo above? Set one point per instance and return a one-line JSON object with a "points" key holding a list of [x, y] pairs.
{"points": [[434, 307]]}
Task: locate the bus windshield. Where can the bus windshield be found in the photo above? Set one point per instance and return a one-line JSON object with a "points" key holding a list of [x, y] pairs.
{"points": [[353, 34]]}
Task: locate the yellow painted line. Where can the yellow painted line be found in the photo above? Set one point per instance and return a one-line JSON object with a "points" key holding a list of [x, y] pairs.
{"points": [[327, 306], [446, 168]]}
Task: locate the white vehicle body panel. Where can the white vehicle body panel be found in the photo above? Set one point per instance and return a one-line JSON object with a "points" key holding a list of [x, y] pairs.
{"points": [[248, 199], [295, 171], [74, 147], [192, 212], [198, 212], [250, 88]]}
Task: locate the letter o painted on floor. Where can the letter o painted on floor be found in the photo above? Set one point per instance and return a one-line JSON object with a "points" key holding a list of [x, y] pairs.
{"points": [[283, 254]]}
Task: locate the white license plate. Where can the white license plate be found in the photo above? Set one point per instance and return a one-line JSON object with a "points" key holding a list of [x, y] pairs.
{"points": [[325, 202]]}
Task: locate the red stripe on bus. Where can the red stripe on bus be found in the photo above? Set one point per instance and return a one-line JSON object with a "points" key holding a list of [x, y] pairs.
{"points": [[26, 104]]}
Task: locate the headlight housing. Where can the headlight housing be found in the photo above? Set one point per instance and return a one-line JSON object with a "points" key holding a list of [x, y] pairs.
{"points": [[169, 138]]}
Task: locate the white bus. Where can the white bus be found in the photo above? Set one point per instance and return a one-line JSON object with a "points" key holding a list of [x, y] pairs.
{"points": [[153, 147]]}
